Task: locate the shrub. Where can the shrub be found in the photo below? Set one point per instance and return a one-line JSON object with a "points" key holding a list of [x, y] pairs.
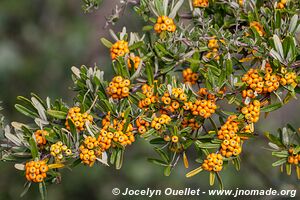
{"points": [[168, 88]]}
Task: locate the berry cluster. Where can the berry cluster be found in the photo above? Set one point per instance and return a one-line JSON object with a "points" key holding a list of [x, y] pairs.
{"points": [[172, 101], [40, 137], [200, 3], [178, 93], [191, 123], [150, 97], [36, 171], [230, 127], [119, 87], [190, 77], [203, 93], [89, 150], [258, 84], [135, 60], [251, 111], [293, 158], [203, 108], [79, 119], [281, 4], [288, 78], [121, 136], [213, 162], [164, 23], [157, 122], [142, 125], [258, 27], [231, 144], [120, 48], [59, 150], [213, 46]]}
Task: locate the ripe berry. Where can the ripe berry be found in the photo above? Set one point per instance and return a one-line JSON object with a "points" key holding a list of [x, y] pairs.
{"points": [[120, 48], [164, 23], [79, 119]]}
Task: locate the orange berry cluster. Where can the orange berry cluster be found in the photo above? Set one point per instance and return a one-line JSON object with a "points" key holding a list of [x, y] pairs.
{"points": [[213, 162], [136, 61], [213, 45], [79, 119], [205, 94], [200, 3], [281, 4], [164, 23], [258, 27], [189, 76], [36, 171], [230, 127], [293, 158], [231, 145], [191, 123], [89, 150], [120, 48], [251, 111], [169, 100], [40, 137], [254, 81], [157, 122], [258, 84], [203, 108], [118, 88], [289, 78], [58, 150], [150, 97], [120, 136], [142, 125]]}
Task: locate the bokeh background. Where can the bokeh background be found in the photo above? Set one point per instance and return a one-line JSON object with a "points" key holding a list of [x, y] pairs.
{"points": [[39, 41]]}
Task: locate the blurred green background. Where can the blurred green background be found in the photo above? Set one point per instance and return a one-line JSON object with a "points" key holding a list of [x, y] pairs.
{"points": [[40, 41]]}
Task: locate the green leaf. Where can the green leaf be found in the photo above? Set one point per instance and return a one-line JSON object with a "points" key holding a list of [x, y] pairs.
{"points": [[33, 148], [206, 145], [278, 45], [288, 168], [157, 162], [57, 114], [162, 154], [106, 43], [26, 188], [147, 28], [119, 158], [237, 163], [43, 190], [157, 141], [26, 111], [220, 181], [273, 139], [279, 162], [194, 172], [167, 171], [149, 72], [136, 45], [271, 107], [229, 67], [212, 176]]}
